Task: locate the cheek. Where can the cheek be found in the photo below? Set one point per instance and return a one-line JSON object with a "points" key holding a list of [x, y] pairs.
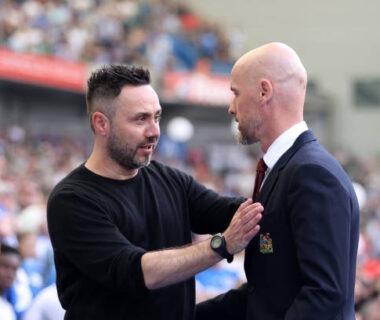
{"points": [[128, 132], [244, 107]]}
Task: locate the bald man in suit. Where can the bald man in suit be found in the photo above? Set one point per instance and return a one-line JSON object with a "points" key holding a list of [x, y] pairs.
{"points": [[302, 263]]}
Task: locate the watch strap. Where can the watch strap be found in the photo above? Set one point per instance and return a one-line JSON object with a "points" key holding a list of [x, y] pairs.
{"points": [[222, 248]]}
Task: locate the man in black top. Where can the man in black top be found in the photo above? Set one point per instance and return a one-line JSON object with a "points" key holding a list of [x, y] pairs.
{"points": [[121, 224]]}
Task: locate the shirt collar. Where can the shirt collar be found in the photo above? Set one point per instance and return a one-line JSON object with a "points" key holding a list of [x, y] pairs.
{"points": [[283, 143]]}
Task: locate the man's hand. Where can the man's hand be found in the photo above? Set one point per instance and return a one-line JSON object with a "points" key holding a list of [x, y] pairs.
{"points": [[244, 226], [165, 267]]}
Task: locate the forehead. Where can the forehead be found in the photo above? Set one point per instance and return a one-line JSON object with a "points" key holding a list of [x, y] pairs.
{"points": [[138, 99], [239, 77]]}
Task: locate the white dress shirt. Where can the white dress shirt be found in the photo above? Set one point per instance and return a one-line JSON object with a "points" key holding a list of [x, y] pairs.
{"points": [[282, 144]]}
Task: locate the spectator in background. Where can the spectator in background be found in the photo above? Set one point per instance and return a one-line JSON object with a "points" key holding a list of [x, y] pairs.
{"points": [[20, 293], [30, 272], [6, 310], [29, 193], [7, 212], [45, 306], [10, 261]]}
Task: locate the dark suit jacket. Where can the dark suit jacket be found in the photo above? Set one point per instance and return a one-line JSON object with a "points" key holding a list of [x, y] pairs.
{"points": [[302, 263]]}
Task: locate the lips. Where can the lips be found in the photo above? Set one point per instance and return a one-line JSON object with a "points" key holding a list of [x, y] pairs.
{"points": [[148, 147]]}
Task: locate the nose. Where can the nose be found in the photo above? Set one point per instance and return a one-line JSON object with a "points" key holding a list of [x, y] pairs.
{"points": [[231, 108], [154, 130]]}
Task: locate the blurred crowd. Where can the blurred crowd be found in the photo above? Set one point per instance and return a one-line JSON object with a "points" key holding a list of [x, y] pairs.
{"points": [[163, 34], [29, 167]]}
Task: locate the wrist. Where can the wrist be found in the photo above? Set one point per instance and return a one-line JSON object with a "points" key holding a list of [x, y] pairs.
{"points": [[219, 245]]}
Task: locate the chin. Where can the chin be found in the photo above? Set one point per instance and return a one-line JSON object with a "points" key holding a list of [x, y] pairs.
{"points": [[242, 139], [144, 163]]}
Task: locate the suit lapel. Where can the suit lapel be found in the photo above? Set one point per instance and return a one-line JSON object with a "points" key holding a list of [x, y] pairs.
{"points": [[274, 174]]}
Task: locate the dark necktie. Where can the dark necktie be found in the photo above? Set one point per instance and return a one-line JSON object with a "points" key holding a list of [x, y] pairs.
{"points": [[260, 174]]}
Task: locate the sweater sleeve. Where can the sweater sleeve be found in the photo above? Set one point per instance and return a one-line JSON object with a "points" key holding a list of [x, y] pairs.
{"points": [[85, 240], [209, 211]]}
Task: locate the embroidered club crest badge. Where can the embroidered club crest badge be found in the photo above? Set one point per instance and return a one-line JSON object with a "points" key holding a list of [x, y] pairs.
{"points": [[266, 245]]}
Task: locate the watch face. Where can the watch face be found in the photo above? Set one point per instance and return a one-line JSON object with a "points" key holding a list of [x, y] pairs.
{"points": [[216, 242]]}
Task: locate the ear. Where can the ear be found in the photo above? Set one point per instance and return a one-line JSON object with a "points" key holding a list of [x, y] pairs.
{"points": [[266, 89], [100, 123]]}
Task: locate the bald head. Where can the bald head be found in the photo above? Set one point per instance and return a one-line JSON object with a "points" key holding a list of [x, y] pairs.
{"points": [[269, 84], [275, 61]]}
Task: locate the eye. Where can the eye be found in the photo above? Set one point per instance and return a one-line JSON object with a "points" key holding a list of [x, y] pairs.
{"points": [[157, 118], [141, 118], [234, 92]]}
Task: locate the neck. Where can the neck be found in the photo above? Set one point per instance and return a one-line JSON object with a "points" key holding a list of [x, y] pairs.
{"points": [[109, 169]]}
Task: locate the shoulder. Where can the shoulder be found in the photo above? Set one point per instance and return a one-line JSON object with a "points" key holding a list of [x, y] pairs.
{"points": [[172, 178], [315, 164], [6, 310], [157, 168], [76, 174], [78, 188], [48, 295], [314, 156]]}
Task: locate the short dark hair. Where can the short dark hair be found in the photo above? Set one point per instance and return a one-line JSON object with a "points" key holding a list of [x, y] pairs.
{"points": [[106, 83]]}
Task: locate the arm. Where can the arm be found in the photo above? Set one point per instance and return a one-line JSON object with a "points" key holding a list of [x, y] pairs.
{"points": [[87, 240], [320, 211], [162, 268]]}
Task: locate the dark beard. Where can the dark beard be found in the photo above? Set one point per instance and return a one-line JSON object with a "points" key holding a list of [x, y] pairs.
{"points": [[123, 155]]}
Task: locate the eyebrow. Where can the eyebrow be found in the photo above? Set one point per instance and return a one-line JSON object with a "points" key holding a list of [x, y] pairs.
{"points": [[147, 114]]}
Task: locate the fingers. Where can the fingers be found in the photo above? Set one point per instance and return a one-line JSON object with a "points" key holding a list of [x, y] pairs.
{"points": [[252, 212], [247, 215], [250, 220], [244, 226], [254, 231], [251, 233], [248, 204], [248, 211]]}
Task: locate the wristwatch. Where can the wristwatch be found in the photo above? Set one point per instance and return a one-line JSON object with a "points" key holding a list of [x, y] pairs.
{"points": [[218, 244]]}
